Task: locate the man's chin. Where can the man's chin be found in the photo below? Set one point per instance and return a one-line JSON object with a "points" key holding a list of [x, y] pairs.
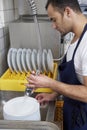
{"points": [[63, 34]]}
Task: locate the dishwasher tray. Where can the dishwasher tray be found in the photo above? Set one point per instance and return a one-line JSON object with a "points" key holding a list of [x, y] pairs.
{"points": [[15, 81]]}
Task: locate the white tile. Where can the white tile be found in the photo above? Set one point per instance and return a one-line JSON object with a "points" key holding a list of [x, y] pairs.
{"points": [[5, 30], [2, 56], [1, 19], [8, 4], [16, 3], [2, 40], [8, 16], [6, 41], [1, 4], [3, 68], [16, 14], [11, 15], [1, 32]]}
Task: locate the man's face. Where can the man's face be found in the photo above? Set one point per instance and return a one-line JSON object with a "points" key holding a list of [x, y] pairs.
{"points": [[59, 21]]}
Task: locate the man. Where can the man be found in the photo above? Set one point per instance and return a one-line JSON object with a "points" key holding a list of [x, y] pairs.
{"points": [[66, 16]]}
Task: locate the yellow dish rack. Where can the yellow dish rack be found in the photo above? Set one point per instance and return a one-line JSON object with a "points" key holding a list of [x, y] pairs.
{"points": [[11, 81]]}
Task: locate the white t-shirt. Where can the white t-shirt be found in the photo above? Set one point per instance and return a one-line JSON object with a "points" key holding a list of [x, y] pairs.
{"points": [[80, 59]]}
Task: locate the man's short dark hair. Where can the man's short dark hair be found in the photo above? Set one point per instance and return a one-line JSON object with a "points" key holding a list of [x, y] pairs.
{"points": [[61, 4]]}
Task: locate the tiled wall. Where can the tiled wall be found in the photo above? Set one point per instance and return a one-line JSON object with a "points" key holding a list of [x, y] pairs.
{"points": [[8, 13]]}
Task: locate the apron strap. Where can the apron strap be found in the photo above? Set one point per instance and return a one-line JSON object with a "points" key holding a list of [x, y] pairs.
{"points": [[85, 29]]}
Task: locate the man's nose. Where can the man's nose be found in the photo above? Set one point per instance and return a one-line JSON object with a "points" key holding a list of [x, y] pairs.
{"points": [[54, 25]]}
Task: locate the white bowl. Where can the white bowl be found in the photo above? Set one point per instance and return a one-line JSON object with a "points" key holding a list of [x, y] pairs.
{"points": [[22, 108]]}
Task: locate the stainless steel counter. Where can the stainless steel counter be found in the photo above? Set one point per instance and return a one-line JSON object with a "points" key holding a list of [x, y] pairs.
{"points": [[28, 125]]}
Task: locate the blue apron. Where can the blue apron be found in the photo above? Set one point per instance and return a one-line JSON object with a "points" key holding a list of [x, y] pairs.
{"points": [[74, 111]]}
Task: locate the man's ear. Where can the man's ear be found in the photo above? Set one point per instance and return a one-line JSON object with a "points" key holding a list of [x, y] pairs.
{"points": [[67, 11]]}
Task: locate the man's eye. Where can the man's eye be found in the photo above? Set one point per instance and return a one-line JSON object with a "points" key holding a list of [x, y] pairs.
{"points": [[51, 19], [54, 20]]}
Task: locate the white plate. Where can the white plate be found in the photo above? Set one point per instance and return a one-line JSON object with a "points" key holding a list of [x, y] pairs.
{"points": [[44, 60], [19, 53], [28, 60], [14, 63], [9, 59], [34, 59], [50, 60], [39, 60], [23, 60]]}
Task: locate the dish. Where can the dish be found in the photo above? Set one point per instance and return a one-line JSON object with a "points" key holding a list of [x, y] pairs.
{"points": [[39, 60], [9, 59], [28, 60], [18, 60], [50, 60], [44, 60], [23, 60], [14, 63], [34, 59]]}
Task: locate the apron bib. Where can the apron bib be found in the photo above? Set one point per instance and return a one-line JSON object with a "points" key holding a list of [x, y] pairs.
{"points": [[74, 112]]}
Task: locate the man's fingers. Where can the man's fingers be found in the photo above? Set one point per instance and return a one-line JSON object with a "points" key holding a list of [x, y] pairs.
{"points": [[30, 85]]}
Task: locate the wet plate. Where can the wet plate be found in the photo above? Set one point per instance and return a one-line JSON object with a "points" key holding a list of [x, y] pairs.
{"points": [[19, 53], [9, 59], [28, 60]]}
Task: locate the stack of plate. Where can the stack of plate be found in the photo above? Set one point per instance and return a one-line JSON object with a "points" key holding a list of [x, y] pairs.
{"points": [[25, 60]]}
